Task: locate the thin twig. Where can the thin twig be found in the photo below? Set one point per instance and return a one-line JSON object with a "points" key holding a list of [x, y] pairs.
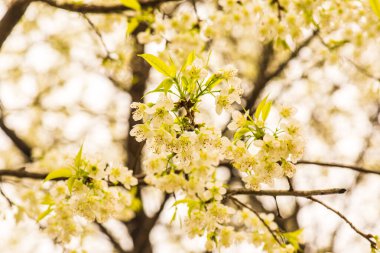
{"points": [[368, 237], [10, 202], [362, 70], [19, 143], [338, 165], [264, 78], [241, 204], [114, 242], [277, 207], [243, 191], [23, 174], [99, 35]]}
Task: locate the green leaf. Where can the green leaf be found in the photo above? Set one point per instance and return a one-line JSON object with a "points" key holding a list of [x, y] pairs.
{"points": [[132, 25], [189, 86], [60, 173], [191, 204], [212, 81], [260, 107], [47, 200], [174, 216], [375, 5], [172, 67], [182, 201], [266, 110], [44, 214], [293, 238], [133, 4], [159, 65], [241, 132], [189, 60], [78, 157], [166, 85], [70, 183]]}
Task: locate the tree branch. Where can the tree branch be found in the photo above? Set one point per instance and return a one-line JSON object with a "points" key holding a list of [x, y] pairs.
{"points": [[241, 204], [13, 15], [139, 228], [141, 233], [260, 82], [22, 173], [115, 243], [337, 165], [21, 145], [100, 9], [263, 78], [99, 36], [368, 237], [243, 191]]}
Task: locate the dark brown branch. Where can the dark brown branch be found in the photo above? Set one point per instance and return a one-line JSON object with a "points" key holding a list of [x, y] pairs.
{"points": [[22, 173], [343, 166], [243, 191], [292, 56], [141, 233], [10, 202], [139, 228], [21, 145], [368, 237], [263, 78], [13, 15], [140, 70], [260, 82], [114, 242], [99, 9]]}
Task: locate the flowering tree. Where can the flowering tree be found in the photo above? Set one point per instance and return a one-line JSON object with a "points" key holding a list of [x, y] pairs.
{"points": [[215, 121]]}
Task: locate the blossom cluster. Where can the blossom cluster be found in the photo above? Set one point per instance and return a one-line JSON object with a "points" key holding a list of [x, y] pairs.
{"points": [[184, 153], [87, 191], [262, 154]]}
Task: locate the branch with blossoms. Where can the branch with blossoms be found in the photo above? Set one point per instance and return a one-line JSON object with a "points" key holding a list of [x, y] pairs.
{"points": [[182, 157]]}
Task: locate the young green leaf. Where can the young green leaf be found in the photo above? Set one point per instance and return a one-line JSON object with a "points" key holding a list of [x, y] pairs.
{"points": [[159, 65], [174, 216], [47, 200], [132, 25], [293, 238], [260, 107], [78, 158], [44, 213], [375, 6], [212, 81], [60, 173], [266, 110], [181, 201], [70, 183], [166, 85], [240, 133], [189, 60], [133, 4], [189, 85]]}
